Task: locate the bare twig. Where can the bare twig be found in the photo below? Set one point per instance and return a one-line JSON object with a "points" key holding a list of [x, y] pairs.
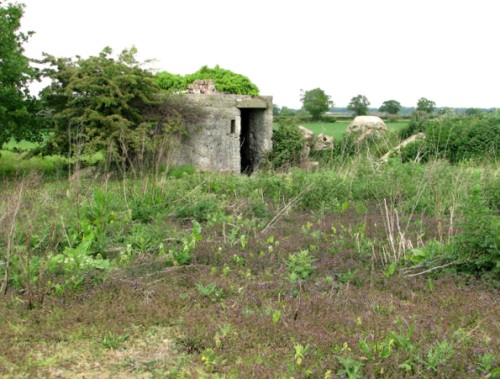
{"points": [[284, 209], [432, 269]]}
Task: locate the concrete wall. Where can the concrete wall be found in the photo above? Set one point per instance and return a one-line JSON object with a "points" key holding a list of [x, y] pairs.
{"points": [[237, 129]]}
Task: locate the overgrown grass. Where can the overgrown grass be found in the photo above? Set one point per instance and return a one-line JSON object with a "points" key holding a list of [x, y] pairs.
{"points": [[13, 164], [358, 270], [14, 161]]}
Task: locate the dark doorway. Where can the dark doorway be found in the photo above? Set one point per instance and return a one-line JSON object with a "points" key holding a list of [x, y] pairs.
{"points": [[251, 118]]}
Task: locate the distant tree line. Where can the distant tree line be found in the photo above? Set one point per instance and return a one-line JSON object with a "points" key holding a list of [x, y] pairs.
{"points": [[317, 103]]}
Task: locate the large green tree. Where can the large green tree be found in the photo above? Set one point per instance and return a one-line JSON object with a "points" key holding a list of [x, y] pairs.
{"points": [[17, 106], [426, 105], [99, 104], [390, 106], [359, 105], [316, 102]]}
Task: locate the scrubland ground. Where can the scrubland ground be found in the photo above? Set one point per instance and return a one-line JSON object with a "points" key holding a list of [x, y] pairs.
{"points": [[351, 272]]}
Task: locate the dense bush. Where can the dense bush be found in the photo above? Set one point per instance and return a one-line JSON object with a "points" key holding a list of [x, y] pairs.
{"points": [[455, 138], [225, 81], [171, 82], [418, 121], [477, 247], [288, 143], [414, 152]]}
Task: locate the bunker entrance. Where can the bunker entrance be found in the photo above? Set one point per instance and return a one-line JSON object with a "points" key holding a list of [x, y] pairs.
{"points": [[251, 122]]}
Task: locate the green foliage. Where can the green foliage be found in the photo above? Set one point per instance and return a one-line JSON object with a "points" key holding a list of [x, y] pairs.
{"points": [[114, 341], [351, 368], [104, 215], [438, 355], [75, 263], [17, 107], [288, 143], [171, 82], [452, 137], [200, 210], [473, 111], [446, 111], [300, 266], [417, 124], [390, 106], [181, 171], [211, 291], [225, 81], [316, 102], [459, 138], [276, 110], [98, 104], [377, 350], [477, 247], [182, 255], [425, 105], [300, 352], [14, 164], [359, 105], [414, 152], [284, 112]]}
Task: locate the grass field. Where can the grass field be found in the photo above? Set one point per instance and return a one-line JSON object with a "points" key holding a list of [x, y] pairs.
{"points": [[14, 163], [337, 129]]}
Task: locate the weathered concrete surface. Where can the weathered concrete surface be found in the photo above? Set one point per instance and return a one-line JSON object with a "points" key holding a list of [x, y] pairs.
{"points": [[234, 137], [364, 123], [323, 142], [253, 103]]}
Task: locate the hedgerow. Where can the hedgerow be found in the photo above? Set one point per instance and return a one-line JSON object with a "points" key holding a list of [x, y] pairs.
{"points": [[454, 138]]}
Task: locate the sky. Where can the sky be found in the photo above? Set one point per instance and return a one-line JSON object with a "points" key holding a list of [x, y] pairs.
{"points": [[445, 51]]}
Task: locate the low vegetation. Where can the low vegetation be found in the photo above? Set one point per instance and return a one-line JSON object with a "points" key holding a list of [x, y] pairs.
{"points": [[359, 270]]}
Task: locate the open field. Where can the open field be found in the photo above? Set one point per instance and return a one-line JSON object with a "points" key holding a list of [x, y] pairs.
{"points": [[337, 129], [225, 276]]}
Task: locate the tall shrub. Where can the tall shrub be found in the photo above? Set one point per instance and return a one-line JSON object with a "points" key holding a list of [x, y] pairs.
{"points": [[454, 138], [459, 138], [477, 247], [288, 143]]}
